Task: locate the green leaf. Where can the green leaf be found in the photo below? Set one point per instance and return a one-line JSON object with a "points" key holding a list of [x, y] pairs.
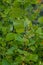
{"points": [[5, 62], [32, 48], [10, 36], [40, 20], [32, 57], [19, 26]]}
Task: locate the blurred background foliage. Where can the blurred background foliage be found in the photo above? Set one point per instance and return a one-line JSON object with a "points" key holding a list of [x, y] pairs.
{"points": [[21, 32]]}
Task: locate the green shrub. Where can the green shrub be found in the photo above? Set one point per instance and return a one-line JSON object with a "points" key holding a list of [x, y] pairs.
{"points": [[21, 32]]}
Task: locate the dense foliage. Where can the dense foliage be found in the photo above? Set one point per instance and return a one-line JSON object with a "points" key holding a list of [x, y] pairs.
{"points": [[21, 32]]}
